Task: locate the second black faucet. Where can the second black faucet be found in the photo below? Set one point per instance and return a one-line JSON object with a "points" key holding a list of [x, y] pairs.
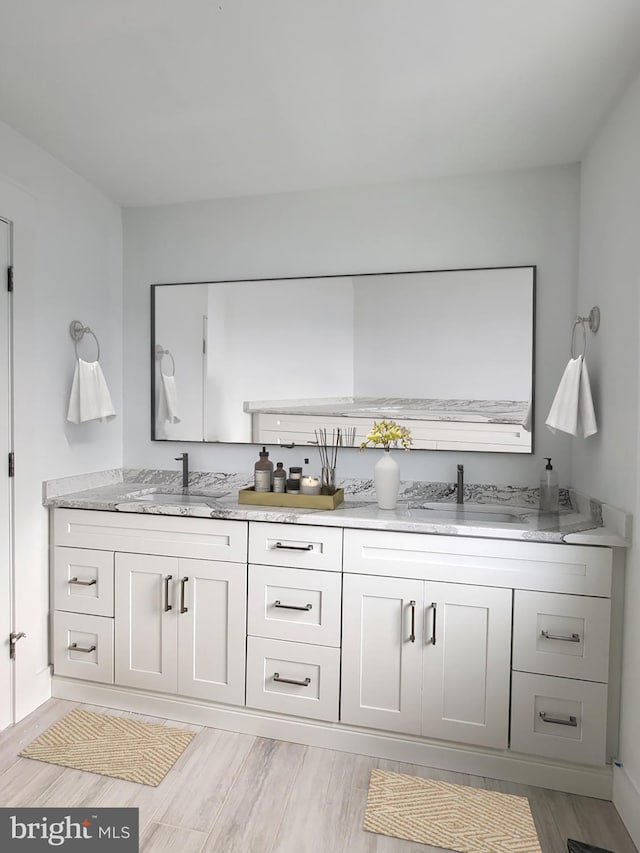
{"points": [[184, 458]]}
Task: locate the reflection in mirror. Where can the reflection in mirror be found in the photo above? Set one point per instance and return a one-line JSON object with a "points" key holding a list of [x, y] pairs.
{"points": [[447, 353]]}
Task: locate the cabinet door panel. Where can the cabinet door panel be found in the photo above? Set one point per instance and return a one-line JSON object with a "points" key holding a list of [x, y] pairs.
{"points": [[466, 670], [211, 631], [145, 632], [380, 661]]}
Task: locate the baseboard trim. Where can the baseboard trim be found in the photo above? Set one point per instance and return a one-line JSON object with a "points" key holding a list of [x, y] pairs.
{"points": [[626, 799], [572, 778]]}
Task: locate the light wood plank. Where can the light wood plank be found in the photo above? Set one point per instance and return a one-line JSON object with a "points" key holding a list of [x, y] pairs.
{"points": [[159, 838], [250, 818], [210, 767]]}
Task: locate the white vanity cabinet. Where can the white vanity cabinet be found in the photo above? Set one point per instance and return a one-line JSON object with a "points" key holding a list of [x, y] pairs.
{"points": [[180, 626], [402, 591], [427, 658], [172, 592]]}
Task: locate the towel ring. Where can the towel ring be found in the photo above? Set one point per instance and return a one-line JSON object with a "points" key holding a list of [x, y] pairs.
{"points": [[77, 331], [593, 321], [160, 354]]}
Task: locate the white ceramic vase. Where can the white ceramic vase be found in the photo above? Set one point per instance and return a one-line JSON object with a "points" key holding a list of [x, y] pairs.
{"points": [[386, 476]]}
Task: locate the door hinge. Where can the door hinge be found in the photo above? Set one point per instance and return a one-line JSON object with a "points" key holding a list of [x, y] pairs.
{"points": [[10, 279], [12, 464], [13, 639]]}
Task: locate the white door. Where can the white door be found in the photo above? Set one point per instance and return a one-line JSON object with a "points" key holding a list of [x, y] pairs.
{"points": [[467, 660], [6, 555], [212, 615], [146, 622], [382, 630]]}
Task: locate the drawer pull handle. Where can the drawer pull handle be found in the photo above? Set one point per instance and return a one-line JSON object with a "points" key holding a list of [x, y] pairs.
{"points": [[167, 606], [74, 647], [434, 607], [567, 638], [305, 683], [79, 582], [572, 721], [282, 547], [277, 603], [412, 635], [183, 582]]}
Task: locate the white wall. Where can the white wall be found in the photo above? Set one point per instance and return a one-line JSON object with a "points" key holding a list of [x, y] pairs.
{"points": [[607, 464], [528, 217], [68, 266]]}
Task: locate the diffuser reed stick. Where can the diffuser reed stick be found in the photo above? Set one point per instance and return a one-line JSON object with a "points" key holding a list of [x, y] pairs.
{"points": [[328, 458]]}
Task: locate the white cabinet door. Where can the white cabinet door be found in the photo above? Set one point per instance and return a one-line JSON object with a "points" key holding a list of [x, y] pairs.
{"points": [[381, 652], [466, 664], [211, 630], [146, 622]]}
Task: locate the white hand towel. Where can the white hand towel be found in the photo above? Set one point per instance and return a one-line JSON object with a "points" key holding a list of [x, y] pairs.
{"points": [[572, 408], [90, 398], [168, 402]]}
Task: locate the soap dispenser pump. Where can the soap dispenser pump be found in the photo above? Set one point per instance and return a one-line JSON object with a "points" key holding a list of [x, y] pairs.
{"points": [[549, 492]]}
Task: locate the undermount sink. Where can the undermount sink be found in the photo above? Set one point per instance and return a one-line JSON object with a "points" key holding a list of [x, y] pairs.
{"points": [[464, 512], [176, 499]]}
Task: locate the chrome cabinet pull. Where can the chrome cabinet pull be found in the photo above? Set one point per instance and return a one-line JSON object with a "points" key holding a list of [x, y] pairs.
{"points": [[183, 582], [567, 638], [167, 606], [282, 547], [305, 683], [434, 607], [79, 582], [412, 635], [278, 603], [74, 647], [558, 721]]}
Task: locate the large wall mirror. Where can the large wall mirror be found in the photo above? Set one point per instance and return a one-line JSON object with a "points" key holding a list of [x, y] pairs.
{"points": [[269, 361]]}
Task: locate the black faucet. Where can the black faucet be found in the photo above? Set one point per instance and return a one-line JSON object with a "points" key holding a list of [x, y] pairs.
{"points": [[460, 485], [184, 458]]}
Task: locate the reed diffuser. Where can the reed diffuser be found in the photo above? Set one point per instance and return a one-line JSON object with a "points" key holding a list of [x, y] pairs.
{"points": [[328, 458]]}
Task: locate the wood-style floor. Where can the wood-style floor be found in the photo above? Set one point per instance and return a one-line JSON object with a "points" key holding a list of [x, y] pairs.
{"points": [[232, 792]]}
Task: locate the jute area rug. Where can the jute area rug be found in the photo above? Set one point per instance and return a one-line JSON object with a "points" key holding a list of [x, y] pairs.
{"points": [[455, 817], [111, 746]]}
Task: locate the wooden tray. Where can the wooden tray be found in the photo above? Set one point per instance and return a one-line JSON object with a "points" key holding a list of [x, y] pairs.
{"points": [[249, 496]]}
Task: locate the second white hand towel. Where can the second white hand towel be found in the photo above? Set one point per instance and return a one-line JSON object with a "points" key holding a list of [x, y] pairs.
{"points": [[572, 408], [90, 398], [168, 404]]}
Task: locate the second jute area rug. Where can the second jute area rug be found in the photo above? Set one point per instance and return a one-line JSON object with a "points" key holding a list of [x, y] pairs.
{"points": [[455, 817]]}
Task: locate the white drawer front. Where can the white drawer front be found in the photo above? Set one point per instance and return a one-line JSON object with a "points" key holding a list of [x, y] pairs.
{"points": [[139, 533], [559, 718], [272, 666], [566, 635], [83, 646], [296, 545], [302, 605], [83, 581], [578, 569]]}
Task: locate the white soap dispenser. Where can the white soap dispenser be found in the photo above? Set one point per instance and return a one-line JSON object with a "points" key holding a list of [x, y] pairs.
{"points": [[549, 496]]}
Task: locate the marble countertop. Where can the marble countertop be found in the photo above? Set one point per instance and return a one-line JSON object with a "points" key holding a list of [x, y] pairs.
{"points": [[491, 512]]}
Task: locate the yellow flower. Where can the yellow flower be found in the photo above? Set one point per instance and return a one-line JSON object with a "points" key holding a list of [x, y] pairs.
{"points": [[387, 433]]}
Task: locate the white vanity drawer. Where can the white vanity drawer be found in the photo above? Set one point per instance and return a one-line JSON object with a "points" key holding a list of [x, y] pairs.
{"points": [[83, 646], [566, 635], [297, 545], [302, 605], [140, 533], [559, 718], [83, 581], [293, 678], [578, 569]]}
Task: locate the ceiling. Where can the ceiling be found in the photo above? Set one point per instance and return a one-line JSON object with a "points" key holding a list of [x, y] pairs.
{"points": [[155, 101]]}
